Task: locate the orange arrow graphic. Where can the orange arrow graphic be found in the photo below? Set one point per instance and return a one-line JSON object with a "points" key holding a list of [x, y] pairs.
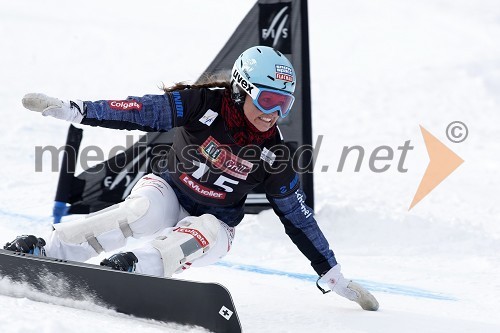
{"points": [[442, 162]]}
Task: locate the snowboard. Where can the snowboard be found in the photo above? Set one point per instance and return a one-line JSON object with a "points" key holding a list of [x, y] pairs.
{"points": [[208, 305]]}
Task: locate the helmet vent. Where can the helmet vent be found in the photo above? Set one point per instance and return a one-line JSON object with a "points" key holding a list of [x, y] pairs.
{"points": [[264, 66]]}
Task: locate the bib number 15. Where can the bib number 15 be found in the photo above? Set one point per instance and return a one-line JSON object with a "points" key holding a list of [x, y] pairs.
{"points": [[222, 181]]}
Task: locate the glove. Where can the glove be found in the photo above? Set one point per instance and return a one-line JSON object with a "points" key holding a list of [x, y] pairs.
{"points": [[72, 111], [337, 282], [349, 289]]}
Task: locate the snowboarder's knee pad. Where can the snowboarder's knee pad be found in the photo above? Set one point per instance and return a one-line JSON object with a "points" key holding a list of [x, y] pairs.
{"points": [[188, 241], [114, 222], [164, 209], [151, 206]]}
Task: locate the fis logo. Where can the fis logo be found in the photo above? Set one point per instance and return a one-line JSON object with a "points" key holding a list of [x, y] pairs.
{"points": [[274, 26]]}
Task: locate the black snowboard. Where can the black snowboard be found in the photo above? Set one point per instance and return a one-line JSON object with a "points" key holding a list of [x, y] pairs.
{"points": [[208, 305]]}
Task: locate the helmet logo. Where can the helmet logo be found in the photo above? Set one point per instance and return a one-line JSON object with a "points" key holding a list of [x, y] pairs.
{"points": [[247, 86], [284, 73]]}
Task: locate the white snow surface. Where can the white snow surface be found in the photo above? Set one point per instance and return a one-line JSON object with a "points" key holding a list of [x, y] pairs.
{"points": [[379, 70]]}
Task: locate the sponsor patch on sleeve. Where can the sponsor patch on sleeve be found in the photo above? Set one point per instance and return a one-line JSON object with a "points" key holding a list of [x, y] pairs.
{"points": [[179, 108], [126, 105]]}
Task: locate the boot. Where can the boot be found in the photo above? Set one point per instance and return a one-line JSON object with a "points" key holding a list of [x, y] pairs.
{"points": [[27, 244], [123, 261]]}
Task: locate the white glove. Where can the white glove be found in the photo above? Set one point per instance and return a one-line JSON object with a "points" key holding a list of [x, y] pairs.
{"points": [[349, 289], [49, 106]]}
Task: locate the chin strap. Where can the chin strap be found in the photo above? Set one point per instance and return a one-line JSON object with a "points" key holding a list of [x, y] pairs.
{"points": [[236, 94]]}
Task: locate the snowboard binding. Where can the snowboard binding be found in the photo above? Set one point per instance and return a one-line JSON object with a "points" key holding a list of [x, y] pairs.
{"points": [[27, 244], [124, 261]]}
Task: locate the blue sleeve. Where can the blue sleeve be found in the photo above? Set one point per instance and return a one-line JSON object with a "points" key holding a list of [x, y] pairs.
{"points": [[303, 230], [151, 113]]}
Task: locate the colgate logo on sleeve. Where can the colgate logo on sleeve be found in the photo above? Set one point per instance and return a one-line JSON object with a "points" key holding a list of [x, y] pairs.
{"points": [[126, 105]]}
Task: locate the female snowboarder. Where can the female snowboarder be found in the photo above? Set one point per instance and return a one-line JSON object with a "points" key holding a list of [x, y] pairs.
{"points": [[226, 144]]}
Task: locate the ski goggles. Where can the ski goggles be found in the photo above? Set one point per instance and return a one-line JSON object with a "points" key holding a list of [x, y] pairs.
{"points": [[265, 99], [270, 100]]}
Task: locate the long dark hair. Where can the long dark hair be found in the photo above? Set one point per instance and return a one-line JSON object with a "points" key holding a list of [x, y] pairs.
{"points": [[216, 80]]}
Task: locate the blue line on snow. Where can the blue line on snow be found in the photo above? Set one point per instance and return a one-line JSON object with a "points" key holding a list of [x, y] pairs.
{"points": [[22, 216], [370, 285]]}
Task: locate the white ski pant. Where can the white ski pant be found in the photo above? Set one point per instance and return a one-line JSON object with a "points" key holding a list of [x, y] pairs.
{"points": [[151, 209]]}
